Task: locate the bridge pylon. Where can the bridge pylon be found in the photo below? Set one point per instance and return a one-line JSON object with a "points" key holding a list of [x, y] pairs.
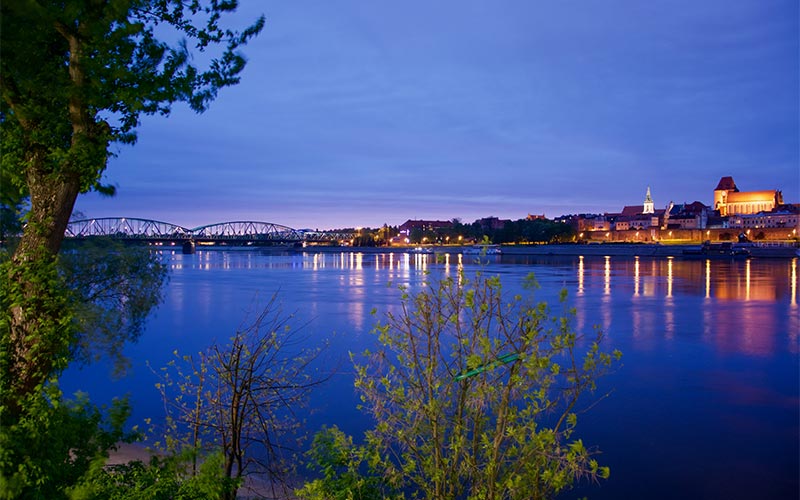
{"points": [[189, 247]]}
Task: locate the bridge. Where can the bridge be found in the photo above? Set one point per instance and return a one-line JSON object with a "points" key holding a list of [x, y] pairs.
{"points": [[223, 233]]}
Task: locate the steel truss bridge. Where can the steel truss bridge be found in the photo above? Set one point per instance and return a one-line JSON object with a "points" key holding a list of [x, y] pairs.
{"points": [[222, 233]]}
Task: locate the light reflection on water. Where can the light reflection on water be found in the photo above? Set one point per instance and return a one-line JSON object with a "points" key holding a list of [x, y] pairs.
{"points": [[705, 404]]}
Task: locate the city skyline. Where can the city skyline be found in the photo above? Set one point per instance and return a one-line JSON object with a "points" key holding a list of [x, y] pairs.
{"points": [[359, 115]]}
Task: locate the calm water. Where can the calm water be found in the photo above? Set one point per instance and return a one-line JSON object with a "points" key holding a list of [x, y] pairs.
{"points": [[705, 404]]}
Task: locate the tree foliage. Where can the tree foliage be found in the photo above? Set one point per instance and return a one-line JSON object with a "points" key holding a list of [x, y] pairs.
{"points": [[347, 470], [244, 398], [518, 231], [162, 478], [77, 75], [476, 395], [34, 300], [55, 443]]}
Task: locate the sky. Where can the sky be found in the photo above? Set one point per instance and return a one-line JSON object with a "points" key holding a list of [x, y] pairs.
{"points": [[364, 113]]}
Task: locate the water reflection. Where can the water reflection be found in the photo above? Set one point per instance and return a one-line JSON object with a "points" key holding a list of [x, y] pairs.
{"points": [[747, 279], [605, 309], [732, 317], [721, 280], [794, 282], [649, 291], [669, 276]]}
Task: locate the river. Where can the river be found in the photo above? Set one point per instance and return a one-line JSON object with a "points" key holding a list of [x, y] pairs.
{"points": [[705, 403]]}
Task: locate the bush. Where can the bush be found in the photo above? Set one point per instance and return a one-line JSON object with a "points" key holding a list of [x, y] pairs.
{"points": [[476, 396]]}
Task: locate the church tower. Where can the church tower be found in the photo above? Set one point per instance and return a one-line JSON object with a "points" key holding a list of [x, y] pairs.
{"points": [[649, 207]]}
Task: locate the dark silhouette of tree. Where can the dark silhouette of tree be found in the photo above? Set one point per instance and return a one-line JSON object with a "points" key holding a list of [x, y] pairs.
{"points": [[243, 398]]}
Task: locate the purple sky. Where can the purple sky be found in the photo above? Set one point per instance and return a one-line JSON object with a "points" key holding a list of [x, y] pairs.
{"points": [[364, 113]]}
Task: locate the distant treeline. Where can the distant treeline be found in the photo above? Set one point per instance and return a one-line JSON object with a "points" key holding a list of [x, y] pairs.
{"points": [[519, 231]]}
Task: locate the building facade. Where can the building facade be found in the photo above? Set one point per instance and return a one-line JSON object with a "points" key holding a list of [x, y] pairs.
{"points": [[787, 216], [687, 216], [638, 217], [424, 225], [728, 200]]}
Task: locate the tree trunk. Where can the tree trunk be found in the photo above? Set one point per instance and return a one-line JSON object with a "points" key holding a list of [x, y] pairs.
{"points": [[39, 319]]}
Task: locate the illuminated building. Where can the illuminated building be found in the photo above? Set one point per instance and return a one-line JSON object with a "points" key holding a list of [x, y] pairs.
{"points": [[786, 216], [687, 216], [728, 200], [638, 217]]}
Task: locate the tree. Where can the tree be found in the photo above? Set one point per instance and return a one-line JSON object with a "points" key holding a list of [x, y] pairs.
{"points": [[241, 398], [364, 237], [476, 396], [75, 78]]}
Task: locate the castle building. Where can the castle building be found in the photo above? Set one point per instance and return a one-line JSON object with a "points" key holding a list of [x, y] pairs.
{"points": [[728, 200]]}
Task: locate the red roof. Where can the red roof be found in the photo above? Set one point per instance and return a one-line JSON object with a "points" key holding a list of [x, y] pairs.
{"points": [[631, 210], [726, 184]]}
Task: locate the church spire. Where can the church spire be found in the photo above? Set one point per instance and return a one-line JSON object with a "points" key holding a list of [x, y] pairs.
{"points": [[649, 206]]}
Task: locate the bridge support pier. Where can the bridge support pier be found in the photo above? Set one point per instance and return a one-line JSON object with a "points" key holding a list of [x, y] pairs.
{"points": [[188, 247]]}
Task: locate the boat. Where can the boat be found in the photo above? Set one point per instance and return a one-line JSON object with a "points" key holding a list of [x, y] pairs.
{"points": [[710, 250], [770, 250], [482, 250], [421, 250]]}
